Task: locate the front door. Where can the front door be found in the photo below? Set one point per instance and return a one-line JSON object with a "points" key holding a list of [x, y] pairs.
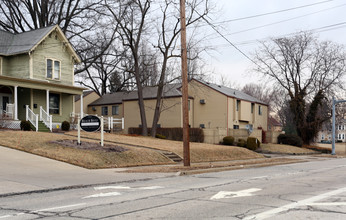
{"points": [[5, 101]]}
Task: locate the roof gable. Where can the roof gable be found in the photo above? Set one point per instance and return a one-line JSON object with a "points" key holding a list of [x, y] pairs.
{"points": [[13, 44], [231, 92], [169, 91]]}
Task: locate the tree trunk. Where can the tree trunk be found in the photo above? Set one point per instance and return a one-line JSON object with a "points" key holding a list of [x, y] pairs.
{"points": [[159, 98]]}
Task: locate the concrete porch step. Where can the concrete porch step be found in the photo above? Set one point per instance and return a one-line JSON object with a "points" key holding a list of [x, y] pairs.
{"points": [[172, 156]]}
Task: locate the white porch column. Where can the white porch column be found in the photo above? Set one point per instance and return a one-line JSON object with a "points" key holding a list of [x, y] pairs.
{"points": [[81, 106], [47, 101], [15, 102]]}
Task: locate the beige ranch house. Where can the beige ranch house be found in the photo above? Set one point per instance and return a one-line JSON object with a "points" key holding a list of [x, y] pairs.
{"points": [[37, 77], [211, 106]]}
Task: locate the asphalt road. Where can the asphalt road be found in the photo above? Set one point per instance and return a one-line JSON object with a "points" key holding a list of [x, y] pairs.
{"points": [[310, 190]]}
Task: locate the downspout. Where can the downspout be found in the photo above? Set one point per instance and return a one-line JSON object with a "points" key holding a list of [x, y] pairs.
{"points": [[227, 115]]}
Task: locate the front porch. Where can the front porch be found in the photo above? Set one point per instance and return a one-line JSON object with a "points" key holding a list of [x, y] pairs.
{"points": [[35, 101]]}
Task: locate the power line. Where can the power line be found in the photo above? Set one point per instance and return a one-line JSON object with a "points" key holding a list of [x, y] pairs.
{"points": [[217, 31], [274, 12], [270, 24]]}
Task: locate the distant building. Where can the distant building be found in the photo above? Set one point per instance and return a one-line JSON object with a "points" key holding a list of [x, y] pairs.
{"points": [[274, 125], [210, 106], [325, 135]]}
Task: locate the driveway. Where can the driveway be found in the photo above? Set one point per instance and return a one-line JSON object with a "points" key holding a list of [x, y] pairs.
{"points": [[22, 172]]}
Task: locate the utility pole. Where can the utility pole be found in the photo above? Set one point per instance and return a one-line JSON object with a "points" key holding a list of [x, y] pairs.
{"points": [[186, 137], [333, 123]]}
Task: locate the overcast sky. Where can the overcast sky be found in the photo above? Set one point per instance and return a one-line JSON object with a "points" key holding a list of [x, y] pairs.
{"points": [[227, 61]]}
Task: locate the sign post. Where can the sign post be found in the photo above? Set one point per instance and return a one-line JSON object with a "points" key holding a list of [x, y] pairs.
{"points": [[102, 131], [91, 123], [78, 131]]}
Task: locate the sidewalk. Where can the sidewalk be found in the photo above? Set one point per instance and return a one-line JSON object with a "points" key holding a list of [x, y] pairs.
{"points": [[22, 172]]}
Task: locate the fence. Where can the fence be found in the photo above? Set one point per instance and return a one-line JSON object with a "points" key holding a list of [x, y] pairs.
{"points": [[215, 136], [272, 136], [109, 123]]}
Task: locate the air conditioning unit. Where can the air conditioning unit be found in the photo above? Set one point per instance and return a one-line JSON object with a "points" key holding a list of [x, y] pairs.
{"points": [[202, 101]]}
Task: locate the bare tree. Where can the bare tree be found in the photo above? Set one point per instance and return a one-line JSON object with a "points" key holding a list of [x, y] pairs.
{"points": [[22, 15], [306, 69], [272, 95], [168, 31], [80, 20], [131, 17]]}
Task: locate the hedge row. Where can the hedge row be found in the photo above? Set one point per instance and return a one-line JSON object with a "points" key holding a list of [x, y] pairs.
{"points": [[250, 143], [290, 139], [196, 134]]}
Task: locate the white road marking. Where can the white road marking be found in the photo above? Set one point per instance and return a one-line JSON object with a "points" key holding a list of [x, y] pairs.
{"points": [[327, 204], [102, 195], [227, 194], [259, 177], [6, 216], [304, 202], [151, 187], [42, 210], [117, 193], [111, 187], [126, 187], [60, 207]]}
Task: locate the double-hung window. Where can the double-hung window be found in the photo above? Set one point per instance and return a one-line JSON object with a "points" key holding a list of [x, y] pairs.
{"points": [[53, 69], [104, 110], [115, 110], [260, 110]]}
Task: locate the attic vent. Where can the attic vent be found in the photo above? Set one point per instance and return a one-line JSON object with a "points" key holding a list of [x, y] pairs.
{"points": [[202, 101]]}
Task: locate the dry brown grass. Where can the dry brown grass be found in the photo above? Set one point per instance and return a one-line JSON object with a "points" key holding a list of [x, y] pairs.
{"points": [[200, 152], [215, 166], [285, 149], [38, 143], [340, 148]]}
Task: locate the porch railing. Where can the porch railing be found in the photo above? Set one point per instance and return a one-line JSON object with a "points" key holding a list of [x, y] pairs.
{"points": [[32, 117], [46, 118], [9, 112]]}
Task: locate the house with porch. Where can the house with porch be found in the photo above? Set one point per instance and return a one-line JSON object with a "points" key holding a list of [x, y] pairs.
{"points": [[37, 77]]}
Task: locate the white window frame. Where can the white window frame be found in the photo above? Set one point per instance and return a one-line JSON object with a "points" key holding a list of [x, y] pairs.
{"points": [[60, 102], [53, 61], [104, 107], [1, 63], [115, 106]]}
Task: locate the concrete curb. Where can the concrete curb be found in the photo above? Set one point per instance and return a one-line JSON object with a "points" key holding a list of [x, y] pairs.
{"points": [[237, 167]]}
